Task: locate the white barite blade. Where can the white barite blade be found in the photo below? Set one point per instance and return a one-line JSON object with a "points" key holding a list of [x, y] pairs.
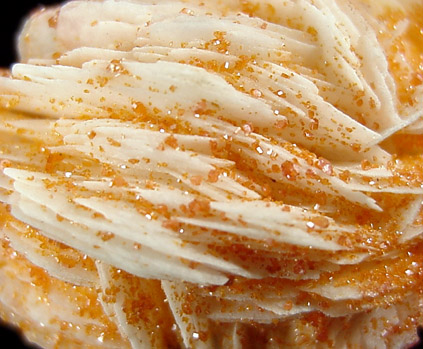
{"points": [[63, 263], [195, 329], [214, 174], [126, 294]]}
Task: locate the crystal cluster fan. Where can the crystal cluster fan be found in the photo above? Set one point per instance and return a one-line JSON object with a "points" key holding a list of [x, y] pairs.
{"points": [[214, 174]]}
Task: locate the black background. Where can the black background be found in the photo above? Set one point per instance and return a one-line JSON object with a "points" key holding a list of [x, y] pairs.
{"points": [[11, 338], [11, 19]]}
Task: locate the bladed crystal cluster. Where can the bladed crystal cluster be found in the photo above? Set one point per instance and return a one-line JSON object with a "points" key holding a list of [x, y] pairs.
{"points": [[214, 174]]}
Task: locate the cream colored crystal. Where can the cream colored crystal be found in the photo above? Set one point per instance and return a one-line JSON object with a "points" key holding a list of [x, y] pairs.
{"points": [[214, 174]]}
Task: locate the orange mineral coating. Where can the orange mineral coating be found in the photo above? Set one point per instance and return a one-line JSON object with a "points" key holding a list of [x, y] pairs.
{"points": [[41, 287], [407, 44], [167, 220]]}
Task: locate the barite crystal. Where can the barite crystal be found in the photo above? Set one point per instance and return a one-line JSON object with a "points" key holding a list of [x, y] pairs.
{"points": [[214, 174]]}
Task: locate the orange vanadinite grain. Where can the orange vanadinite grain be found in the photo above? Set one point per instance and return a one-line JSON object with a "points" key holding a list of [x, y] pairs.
{"points": [[172, 224], [199, 206], [52, 21], [92, 134], [171, 141], [105, 236], [289, 171], [116, 66], [256, 93], [163, 210], [139, 108], [196, 180], [321, 222], [213, 176], [281, 124], [248, 128], [219, 42], [113, 142], [53, 161], [325, 166], [288, 305]]}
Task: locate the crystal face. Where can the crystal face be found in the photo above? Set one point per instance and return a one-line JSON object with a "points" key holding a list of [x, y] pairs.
{"points": [[220, 174]]}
